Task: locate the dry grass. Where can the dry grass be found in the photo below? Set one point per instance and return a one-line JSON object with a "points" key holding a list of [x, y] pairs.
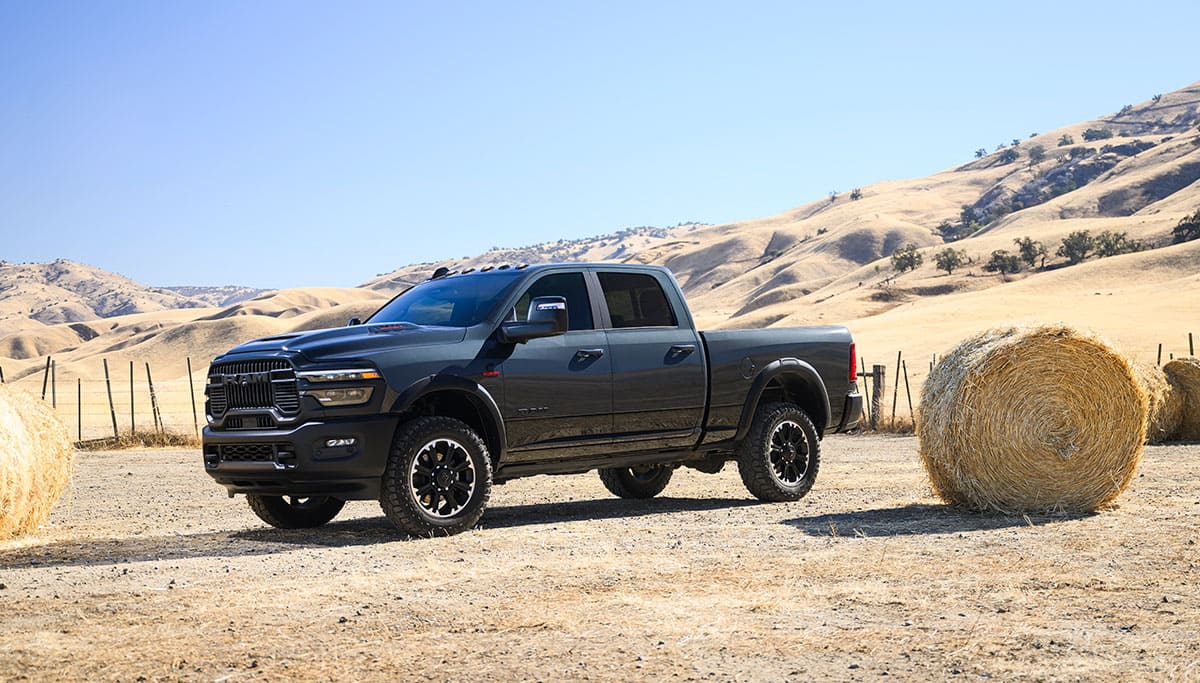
{"points": [[141, 439], [1185, 373], [1032, 419], [35, 462]]}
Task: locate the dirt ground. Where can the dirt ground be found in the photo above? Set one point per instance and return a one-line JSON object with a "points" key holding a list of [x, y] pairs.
{"points": [[150, 572]]}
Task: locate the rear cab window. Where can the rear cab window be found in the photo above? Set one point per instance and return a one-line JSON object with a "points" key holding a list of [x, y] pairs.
{"points": [[636, 300]]}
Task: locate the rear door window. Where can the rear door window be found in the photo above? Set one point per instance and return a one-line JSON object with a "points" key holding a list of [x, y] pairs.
{"points": [[636, 300]]}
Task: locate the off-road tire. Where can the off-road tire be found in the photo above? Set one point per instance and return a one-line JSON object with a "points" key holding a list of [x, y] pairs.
{"points": [[780, 456], [438, 477], [636, 482], [295, 512]]}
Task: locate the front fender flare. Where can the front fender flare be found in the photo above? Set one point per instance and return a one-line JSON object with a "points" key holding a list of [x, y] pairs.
{"points": [[494, 421]]}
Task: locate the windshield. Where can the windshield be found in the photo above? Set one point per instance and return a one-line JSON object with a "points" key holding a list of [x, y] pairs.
{"points": [[457, 301]]}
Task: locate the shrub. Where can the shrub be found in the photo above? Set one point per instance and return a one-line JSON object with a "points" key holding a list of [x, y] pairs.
{"points": [[948, 259], [1156, 98], [1076, 246], [1031, 250], [907, 258], [1003, 262], [1077, 152], [980, 153], [1009, 155], [856, 194], [1187, 230], [1093, 134], [1065, 140]]}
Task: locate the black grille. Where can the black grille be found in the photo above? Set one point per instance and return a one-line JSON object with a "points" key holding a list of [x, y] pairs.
{"points": [[251, 384], [250, 422], [252, 452]]}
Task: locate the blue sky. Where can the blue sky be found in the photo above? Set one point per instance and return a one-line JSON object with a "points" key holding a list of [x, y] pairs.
{"points": [[283, 144]]}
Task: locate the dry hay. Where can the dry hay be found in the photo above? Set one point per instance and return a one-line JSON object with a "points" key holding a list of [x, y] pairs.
{"points": [[1165, 413], [35, 461], [1185, 374], [1032, 419]]}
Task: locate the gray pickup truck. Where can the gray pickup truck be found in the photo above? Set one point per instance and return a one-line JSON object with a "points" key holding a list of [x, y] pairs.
{"points": [[471, 379]]}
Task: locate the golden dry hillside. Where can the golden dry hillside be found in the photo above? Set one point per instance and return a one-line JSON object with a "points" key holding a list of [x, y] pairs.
{"points": [[1134, 173]]}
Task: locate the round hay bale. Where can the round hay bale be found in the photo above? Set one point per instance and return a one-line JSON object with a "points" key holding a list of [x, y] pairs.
{"points": [[1165, 412], [1032, 420], [1185, 374], [35, 461]]}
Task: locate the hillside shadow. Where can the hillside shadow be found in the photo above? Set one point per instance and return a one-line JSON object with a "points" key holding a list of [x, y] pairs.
{"points": [[338, 534], [919, 520]]}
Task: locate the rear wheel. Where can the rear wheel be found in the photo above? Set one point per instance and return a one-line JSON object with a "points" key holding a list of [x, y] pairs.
{"points": [[642, 481], [295, 512], [438, 477], [780, 456]]}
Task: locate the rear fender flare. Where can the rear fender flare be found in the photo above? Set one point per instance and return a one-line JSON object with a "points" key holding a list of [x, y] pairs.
{"points": [[789, 370]]}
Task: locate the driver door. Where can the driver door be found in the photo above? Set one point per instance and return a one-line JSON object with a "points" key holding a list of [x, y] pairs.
{"points": [[558, 399]]}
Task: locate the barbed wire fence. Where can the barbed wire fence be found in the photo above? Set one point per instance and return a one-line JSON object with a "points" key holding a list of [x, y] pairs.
{"points": [[122, 398]]}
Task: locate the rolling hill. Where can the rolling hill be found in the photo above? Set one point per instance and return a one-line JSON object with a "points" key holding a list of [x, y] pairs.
{"points": [[1135, 172]]}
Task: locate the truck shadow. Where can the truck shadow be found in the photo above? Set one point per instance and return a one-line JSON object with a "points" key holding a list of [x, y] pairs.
{"points": [[362, 531], [919, 520]]}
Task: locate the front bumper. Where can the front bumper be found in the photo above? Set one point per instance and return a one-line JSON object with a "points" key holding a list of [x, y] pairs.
{"points": [[297, 461]]}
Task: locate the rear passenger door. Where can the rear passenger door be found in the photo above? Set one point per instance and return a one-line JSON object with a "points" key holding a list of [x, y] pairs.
{"points": [[659, 379]]}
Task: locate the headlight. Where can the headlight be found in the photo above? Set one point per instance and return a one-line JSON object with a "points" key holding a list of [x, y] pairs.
{"points": [[338, 375], [348, 396]]}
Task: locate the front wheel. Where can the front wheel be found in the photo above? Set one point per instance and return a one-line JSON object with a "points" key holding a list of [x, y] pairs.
{"points": [[438, 477], [779, 459], [644, 481], [295, 512]]}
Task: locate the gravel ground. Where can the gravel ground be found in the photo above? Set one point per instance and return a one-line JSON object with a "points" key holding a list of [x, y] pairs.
{"points": [[149, 571]]}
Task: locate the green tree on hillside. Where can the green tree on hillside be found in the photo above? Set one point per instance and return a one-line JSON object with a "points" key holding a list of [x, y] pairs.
{"points": [[1065, 140], [1009, 155], [948, 259], [1031, 250], [856, 194], [1187, 230], [1076, 246], [1093, 134], [907, 258], [1115, 243], [1037, 154], [980, 153], [1003, 262]]}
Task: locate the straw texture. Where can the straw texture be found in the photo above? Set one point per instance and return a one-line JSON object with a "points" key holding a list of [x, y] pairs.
{"points": [[1032, 420], [1185, 374], [35, 461], [1165, 413]]}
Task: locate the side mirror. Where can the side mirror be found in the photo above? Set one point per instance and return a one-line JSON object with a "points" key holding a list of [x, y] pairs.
{"points": [[547, 318], [354, 321]]}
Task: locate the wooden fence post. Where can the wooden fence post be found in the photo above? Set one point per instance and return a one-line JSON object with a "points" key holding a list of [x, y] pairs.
{"points": [[111, 409], [192, 390], [896, 390], [2, 375], [132, 412], [79, 406], [54, 384], [1159, 361], [154, 403], [45, 377], [877, 380], [908, 393], [1191, 346]]}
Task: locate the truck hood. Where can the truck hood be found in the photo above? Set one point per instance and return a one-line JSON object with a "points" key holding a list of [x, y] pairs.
{"points": [[349, 342]]}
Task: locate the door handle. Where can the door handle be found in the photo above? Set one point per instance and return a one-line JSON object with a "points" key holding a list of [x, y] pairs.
{"points": [[589, 353], [683, 349]]}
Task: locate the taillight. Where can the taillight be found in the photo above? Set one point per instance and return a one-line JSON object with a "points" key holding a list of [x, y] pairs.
{"points": [[853, 363]]}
